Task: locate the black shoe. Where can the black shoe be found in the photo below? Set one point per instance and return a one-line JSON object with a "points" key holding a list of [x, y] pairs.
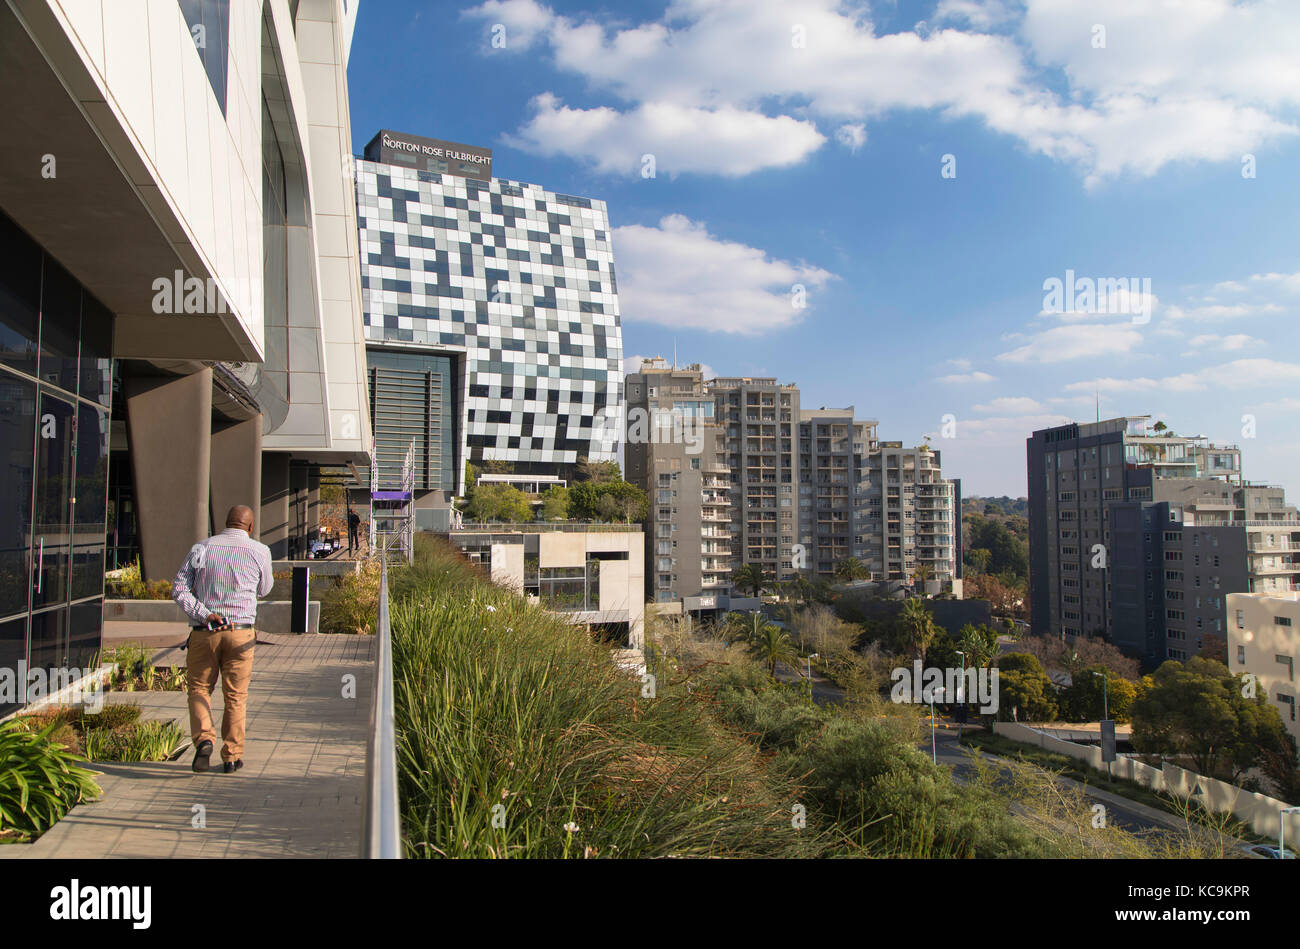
{"points": [[230, 767], [202, 752]]}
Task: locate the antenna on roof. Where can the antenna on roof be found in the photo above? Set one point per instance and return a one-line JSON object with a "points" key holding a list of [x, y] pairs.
{"points": [[1097, 391], [674, 352]]}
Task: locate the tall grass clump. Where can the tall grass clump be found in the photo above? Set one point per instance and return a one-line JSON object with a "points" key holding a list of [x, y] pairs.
{"points": [[520, 738]]}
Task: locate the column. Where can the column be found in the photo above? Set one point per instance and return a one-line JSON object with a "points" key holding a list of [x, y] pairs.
{"points": [[169, 428], [274, 518], [236, 471]]}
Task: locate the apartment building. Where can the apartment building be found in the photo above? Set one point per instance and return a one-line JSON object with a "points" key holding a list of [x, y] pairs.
{"points": [[1145, 551], [675, 451], [1264, 640], [795, 491], [759, 418], [180, 319], [491, 315]]}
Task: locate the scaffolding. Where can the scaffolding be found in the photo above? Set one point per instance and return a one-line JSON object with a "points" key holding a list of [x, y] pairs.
{"points": [[392, 516]]}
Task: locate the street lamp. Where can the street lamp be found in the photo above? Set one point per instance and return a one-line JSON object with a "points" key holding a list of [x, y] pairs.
{"points": [[1281, 831], [1105, 712], [934, 748], [961, 695]]}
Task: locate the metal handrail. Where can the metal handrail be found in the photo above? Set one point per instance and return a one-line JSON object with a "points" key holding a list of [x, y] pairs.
{"points": [[382, 838]]}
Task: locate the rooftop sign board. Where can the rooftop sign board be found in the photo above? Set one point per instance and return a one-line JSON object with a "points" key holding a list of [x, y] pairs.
{"points": [[430, 154]]}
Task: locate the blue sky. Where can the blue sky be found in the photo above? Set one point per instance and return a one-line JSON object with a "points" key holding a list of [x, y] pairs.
{"points": [[803, 142]]}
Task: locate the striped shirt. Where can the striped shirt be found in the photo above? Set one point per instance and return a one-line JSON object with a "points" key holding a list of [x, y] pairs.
{"points": [[224, 574]]}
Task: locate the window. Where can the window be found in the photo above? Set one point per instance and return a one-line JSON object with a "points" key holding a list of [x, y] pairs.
{"points": [[1282, 620], [1241, 619], [1290, 666], [1241, 655], [209, 23]]}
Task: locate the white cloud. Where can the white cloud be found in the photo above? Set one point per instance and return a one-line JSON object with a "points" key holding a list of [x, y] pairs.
{"points": [[1076, 341], [1017, 405], [1227, 343], [1238, 374], [1207, 81], [680, 139], [678, 274], [966, 377], [962, 364], [852, 135], [979, 14], [1222, 311]]}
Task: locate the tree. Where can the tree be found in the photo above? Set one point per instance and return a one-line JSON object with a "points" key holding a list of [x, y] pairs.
{"points": [[498, 502], [918, 626], [1088, 695], [921, 575], [1025, 692], [850, 569], [607, 501], [1198, 709], [769, 643], [597, 472], [1003, 599], [750, 577], [555, 504], [979, 643]]}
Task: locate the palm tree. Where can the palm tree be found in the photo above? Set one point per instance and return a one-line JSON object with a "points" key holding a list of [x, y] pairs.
{"points": [[850, 569], [768, 642], [750, 577], [979, 643], [918, 625], [921, 574]]}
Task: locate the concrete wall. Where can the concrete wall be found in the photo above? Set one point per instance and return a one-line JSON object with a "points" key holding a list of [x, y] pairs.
{"points": [[1259, 640], [1261, 813], [272, 615]]}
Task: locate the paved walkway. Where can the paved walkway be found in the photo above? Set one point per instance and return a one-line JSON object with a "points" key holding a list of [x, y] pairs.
{"points": [[299, 793]]}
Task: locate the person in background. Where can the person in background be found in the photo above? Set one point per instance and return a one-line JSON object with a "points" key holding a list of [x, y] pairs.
{"points": [[354, 522], [217, 588]]}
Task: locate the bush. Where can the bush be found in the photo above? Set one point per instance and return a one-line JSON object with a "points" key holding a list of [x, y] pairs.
{"points": [[352, 606], [42, 780], [129, 585]]}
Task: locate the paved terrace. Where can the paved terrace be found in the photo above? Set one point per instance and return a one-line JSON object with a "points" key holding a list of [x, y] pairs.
{"points": [[299, 793]]}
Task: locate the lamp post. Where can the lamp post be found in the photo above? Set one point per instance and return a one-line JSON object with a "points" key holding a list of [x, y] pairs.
{"points": [[934, 748], [961, 695], [1281, 831], [1105, 711]]}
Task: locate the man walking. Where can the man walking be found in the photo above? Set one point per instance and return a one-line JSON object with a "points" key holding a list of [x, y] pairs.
{"points": [[354, 522], [217, 587]]}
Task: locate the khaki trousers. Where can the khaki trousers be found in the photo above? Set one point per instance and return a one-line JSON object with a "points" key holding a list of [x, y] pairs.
{"points": [[230, 653]]}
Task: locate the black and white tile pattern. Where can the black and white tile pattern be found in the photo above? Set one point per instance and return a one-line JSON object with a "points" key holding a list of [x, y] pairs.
{"points": [[523, 278]]}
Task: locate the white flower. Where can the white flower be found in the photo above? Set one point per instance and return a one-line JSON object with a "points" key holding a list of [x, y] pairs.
{"points": [[491, 609], [572, 828]]}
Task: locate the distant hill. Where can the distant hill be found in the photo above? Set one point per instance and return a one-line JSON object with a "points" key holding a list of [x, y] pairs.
{"points": [[1004, 505]]}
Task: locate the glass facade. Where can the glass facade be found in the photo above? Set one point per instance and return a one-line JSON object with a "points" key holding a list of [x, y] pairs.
{"points": [[56, 386], [209, 22], [413, 398]]}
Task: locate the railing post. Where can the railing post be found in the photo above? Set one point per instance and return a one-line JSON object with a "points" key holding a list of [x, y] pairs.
{"points": [[382, 837]]}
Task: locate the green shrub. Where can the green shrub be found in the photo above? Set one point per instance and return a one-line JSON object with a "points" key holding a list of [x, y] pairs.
{"points": [[142, 741], [353, 604], [42, 780]]}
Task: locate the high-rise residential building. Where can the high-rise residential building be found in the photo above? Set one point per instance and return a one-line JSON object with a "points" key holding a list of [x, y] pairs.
{"points": [[760, 419], [794, 491], [1139, 534], [500, 298], [920, 512], [180, 304], [675, 451], [1264, 640]]}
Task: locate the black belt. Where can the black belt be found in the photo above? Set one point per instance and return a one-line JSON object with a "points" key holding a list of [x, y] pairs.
{"points": [[204, 629]]}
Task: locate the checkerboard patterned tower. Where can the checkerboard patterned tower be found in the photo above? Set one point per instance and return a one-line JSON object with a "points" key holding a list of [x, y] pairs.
{"points": [[517, 280]]}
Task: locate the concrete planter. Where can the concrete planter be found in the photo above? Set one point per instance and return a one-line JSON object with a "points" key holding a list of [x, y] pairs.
{"points": [[272, 616]]}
